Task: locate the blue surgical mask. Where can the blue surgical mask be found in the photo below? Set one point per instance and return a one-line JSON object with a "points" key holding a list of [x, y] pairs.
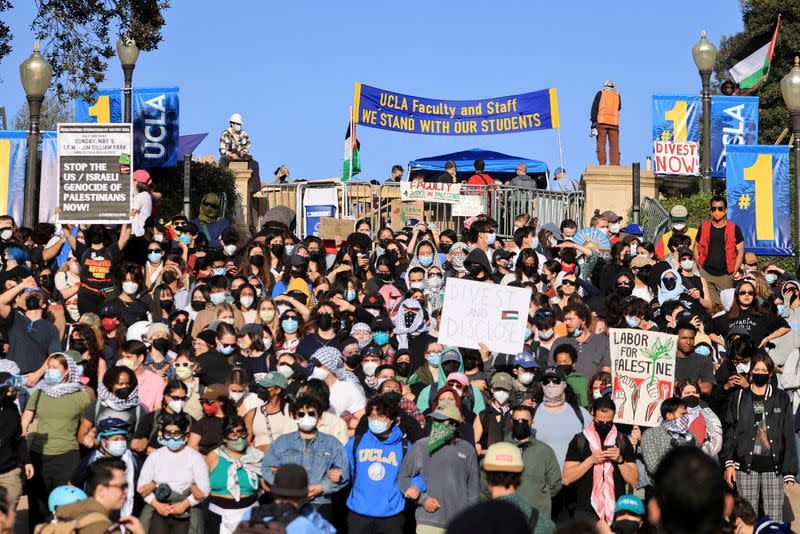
{"points": [[350, 295], [173, 444], [781, 309], [528, 334], [53, 376], [117, 448], [577, 332], [633, 249], [219, 271], [632, 321], [546, 334], [703, 350], [289, 325], [434, 359], [227, 351], [378, 427], [217, 298], [154, 257], [534, 242], [288, 249], [380, 338], [771, 278], [491, 238], [426, 261]]}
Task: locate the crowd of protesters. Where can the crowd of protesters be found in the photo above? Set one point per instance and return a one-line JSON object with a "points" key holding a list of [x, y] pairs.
{"points": [[175, 372]]}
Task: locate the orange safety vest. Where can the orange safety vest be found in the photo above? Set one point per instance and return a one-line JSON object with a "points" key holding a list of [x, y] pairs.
{"points": [[608, 110]]}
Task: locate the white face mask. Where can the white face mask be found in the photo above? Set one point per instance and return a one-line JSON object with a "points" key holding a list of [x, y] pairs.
{"points": [[5, 235], [130, 288], [743, 367], [285, 370], [267, 344], [369, 368], [501, 396], [614, 228], [526, 379], [435, 282], [158, 238], [236, 396], [175, 405], [687, 265], [604, 230], [307, 423], [320, 373], [417, 285], [679, 226], [246, 302], [230, 250]]}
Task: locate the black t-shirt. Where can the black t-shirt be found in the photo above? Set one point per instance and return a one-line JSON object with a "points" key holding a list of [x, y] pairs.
{"points": [[578, 451], [214, 368], [130, 312], [693, 282], [210, 431], [758, 326], [693, 367], [97, 266], [30, 342], [716, 264], [313, 342]]}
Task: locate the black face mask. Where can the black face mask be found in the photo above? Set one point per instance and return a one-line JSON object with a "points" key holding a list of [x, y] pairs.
{"points": [[198, 305], [409, 318], [78, 345], [123, 393], [566, 369], [169, 277], [670, 283], [385, 277], [520, 430], [383, 243], [529, 270], [470, 363], [403, 368], [161, 345], [47, 283], [603, 427], [298, 273], [166, 304], [692, 401], [449, 367], [624, 291], [324, 321], [263, 393], [445, 248], [277, 250], [760, 379], [257, 260], [33, 303], [625, 526], [393, 397]]}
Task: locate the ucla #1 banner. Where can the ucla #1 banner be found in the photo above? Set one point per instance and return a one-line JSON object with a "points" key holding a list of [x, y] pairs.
{"points": [[676, 134], [387, 110], [758, 197], [734, 121], [155, 116]]}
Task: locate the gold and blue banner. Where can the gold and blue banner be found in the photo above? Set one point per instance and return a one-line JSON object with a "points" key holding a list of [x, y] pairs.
{"points": [[155, 116], [758, 197], [734, 121], [387, 110], [13, 169], [676, 118]]}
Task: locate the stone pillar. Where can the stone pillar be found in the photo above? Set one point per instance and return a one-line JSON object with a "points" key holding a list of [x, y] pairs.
{"points": [[243, 213], [610, 187]]}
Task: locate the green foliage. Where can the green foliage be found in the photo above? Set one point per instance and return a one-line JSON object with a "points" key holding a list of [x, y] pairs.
{"points": [[205, 178], [5, 31], [696, 204], [757, 15]]}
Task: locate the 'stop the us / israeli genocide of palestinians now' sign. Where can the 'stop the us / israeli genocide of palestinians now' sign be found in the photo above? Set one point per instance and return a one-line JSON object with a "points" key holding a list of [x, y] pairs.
{"points": [[643, 374], [95, 173], [475, 313]]}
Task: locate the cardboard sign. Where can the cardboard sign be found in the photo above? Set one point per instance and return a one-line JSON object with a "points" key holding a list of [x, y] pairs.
{"points": [[331, 228], [95, 173], [468, 206], [476, 312], [430, 192], [401, 212], [677, 158], [642, 374]]}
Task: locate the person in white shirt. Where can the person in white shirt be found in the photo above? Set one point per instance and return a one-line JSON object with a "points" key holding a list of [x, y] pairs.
{"points": [[347, 395], [142, 202]]}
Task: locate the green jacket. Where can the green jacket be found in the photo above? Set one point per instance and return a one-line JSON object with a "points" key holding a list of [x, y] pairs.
{"points": [[580, 385], [544, 525], [541, 479]]}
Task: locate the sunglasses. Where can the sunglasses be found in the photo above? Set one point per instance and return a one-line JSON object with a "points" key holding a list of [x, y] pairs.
{"points": [[208, 401], [237, 435], [173, 435], [623, 284], [551, 380], [309, 413], [210, 205], [122, 487], [717, 208], [568, 283], [228, 345], [154, 250], [542, 314], [177, 398], [749, 293]]}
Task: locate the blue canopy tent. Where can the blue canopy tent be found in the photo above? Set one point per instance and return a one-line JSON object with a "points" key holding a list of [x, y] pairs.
{"points": [[500, 166]]}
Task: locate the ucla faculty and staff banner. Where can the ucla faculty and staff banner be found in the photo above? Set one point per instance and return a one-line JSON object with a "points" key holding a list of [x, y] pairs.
{"points": [[758, 197], [734, 121], [155, 118], [676, 134], [388, 110]]}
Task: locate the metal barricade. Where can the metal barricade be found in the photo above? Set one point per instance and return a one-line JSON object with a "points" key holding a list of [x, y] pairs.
{"points": [[655, 219]]}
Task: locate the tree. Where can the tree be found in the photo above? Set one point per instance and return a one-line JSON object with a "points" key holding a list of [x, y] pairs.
{"points": [[54, 110], [5, 31], [757, 15]]}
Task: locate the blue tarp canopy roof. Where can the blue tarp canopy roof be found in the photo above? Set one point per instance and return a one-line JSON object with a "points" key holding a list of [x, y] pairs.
{"points": [[495, 162]]}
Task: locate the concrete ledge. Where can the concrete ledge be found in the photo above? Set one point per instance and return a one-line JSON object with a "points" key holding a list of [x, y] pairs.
{"points": [[610, 187]]}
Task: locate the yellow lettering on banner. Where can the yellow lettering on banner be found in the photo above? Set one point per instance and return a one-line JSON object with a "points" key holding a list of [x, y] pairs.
{"points": [[101, 110], [509, 106], [761, 173], [368, 116], [679, 117], [390, 120], [472, 111]]}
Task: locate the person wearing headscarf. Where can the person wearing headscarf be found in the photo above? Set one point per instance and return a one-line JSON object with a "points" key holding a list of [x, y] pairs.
{"points": [[411, 330], [425, 256], [670, 286], [455, 267], [362, 333], [346, 393], [434, 288]]}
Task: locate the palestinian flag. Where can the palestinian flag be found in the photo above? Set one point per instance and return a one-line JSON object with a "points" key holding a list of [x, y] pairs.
{"points": [[750, 62], [509, 315], [352, 158]]}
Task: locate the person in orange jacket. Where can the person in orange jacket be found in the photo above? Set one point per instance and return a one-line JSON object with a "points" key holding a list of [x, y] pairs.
{"points": [[605, 122]]}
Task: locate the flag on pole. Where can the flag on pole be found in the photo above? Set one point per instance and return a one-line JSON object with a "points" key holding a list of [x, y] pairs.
{"points": [[750, 62], [352, 158]]}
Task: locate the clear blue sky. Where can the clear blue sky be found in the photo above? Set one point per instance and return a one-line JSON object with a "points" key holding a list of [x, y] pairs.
{"points": [[289, 69]]}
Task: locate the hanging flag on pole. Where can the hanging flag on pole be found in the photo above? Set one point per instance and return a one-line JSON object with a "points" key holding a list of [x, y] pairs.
{"points": [[352, 158], [749, 63]]}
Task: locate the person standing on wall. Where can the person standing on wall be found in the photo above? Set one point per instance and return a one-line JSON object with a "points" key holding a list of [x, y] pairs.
{"points": [[605, 122]]}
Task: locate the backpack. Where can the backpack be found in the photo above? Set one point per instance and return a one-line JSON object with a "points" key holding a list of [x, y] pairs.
{"points": [[72, 526]]}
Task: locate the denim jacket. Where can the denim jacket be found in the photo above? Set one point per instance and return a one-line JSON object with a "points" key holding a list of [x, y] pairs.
{"points": [[322, 454]]}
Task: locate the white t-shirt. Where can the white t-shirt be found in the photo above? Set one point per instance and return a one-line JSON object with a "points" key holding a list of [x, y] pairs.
{"points": [[143, 204], [346, 397]]}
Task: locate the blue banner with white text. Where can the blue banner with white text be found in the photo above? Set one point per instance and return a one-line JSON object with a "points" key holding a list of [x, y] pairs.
{"points": [[676, 118], [387, 110], [155, 117], [758, 197], [734, 121]]}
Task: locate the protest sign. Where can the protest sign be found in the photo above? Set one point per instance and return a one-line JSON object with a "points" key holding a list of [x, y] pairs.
{"points": [[401, 212], [468, 205], [758, 197], [430, 192], [643, 374], [734, 121], [676, 134], [387, 110], [331, 228], [95, 173], [676, 158], [475, 312]]}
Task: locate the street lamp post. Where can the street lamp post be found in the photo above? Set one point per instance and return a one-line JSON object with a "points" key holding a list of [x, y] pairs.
{"points": [[35, 73], [128, 54], [704, 54], [790, 88]]}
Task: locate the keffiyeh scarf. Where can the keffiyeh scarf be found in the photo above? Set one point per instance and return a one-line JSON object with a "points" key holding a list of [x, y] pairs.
{"points": [[401, 331], [72, 385], [332, 359], [115, 403], [603, 498], [250, 461], [362, 327]]}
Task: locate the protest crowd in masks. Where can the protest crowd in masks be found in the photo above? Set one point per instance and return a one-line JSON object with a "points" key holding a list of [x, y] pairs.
{"points": [[176, 377]]}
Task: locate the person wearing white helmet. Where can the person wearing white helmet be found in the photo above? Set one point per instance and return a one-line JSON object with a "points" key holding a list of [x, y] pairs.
{"points": [[234, 145]]}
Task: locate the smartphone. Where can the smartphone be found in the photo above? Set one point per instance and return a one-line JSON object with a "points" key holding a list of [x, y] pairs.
{"points": [[606, 447]]}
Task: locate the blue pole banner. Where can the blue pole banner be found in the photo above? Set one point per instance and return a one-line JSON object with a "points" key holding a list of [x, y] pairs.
{"points": [[387, 110], [676, 134], [734, 121], [13, 151], [155, 115], [758, 197]]}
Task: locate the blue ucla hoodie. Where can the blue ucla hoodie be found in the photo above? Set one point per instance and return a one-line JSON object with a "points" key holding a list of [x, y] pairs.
{"points": [[374, 474]]}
